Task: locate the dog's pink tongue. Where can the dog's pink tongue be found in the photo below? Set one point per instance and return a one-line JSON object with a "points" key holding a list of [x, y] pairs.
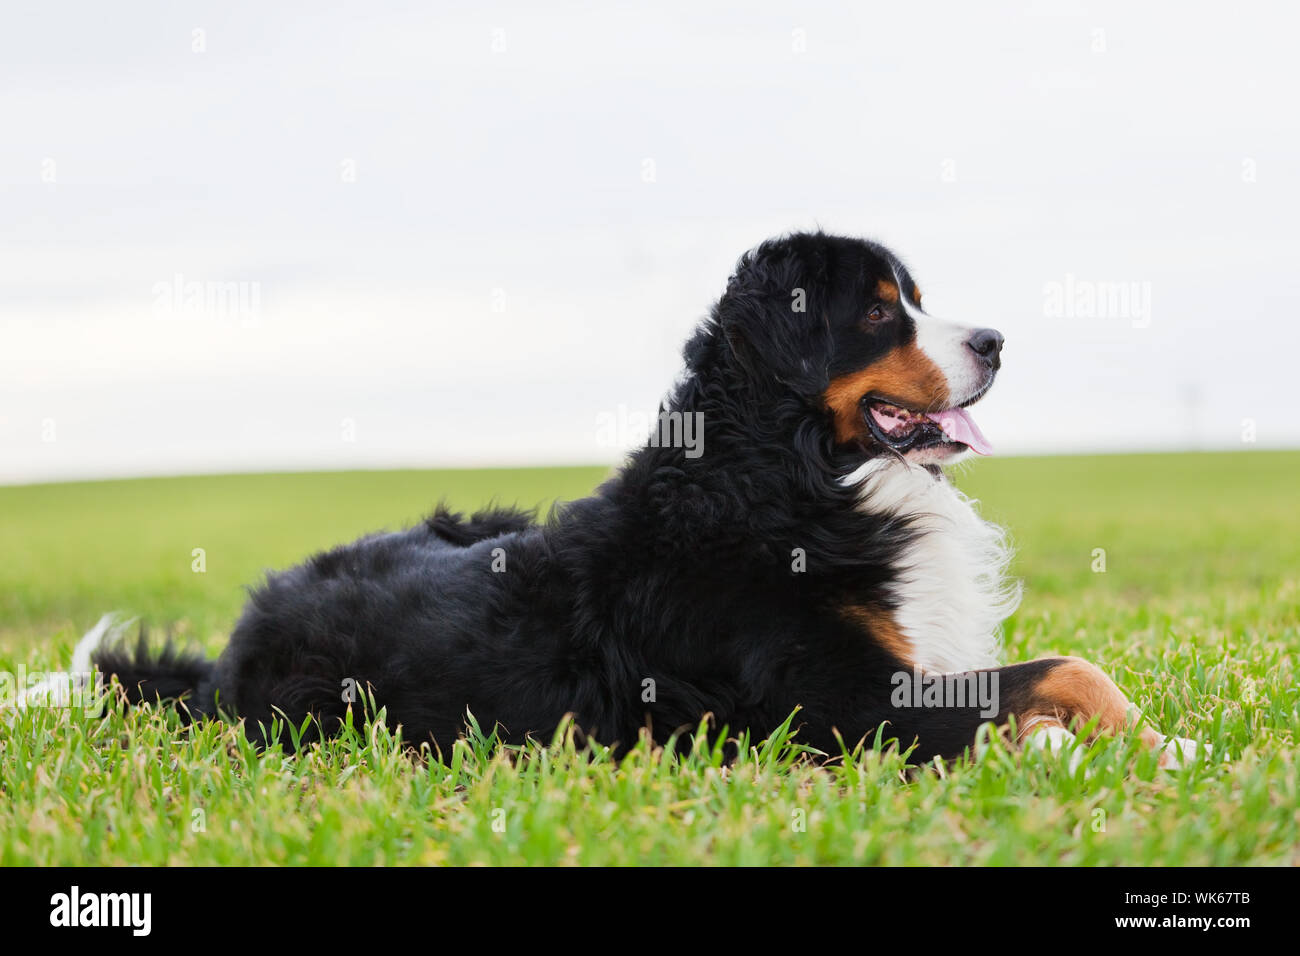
{"points": [[959, 426]]}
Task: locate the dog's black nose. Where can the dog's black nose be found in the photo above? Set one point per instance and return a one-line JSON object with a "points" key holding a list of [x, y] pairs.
{"points": [[987, 344]]}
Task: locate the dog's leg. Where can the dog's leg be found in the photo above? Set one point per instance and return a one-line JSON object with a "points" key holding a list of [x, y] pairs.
{"points": [[1049, 699], [1067, 693]]}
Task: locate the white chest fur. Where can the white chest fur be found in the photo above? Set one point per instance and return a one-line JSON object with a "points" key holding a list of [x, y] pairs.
{"points": [[952, 591]]}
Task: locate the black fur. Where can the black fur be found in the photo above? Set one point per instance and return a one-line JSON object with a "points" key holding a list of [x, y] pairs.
{"points": [[679, 570]]}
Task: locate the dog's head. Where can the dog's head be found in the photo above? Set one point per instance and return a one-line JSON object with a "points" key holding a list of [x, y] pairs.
{"points": [[839, 322]]}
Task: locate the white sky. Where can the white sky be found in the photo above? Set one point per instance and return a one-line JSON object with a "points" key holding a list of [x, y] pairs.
{"points": [[997, 150]]}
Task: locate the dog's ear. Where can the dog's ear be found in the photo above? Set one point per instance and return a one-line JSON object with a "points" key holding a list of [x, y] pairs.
{"points": [[773, 315]]}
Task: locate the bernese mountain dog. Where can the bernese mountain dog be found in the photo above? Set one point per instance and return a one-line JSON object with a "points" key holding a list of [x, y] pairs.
{"points": [[808, 556]]}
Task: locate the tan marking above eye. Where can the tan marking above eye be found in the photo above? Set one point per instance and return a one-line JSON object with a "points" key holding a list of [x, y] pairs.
{"points": [[916, 294], [904, 374], [887, 291]]}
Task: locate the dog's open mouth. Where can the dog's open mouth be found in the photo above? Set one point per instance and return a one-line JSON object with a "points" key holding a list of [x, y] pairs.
{"points": [[905, 430]]}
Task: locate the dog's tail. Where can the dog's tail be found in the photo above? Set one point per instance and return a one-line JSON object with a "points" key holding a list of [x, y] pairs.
{"points": [[147, 673]]}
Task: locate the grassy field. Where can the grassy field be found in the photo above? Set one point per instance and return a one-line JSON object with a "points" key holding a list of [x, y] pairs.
{"points": [[1196, 616]]}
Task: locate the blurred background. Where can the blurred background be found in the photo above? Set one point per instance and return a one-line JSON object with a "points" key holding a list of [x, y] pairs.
{"points": [[251, 237]]}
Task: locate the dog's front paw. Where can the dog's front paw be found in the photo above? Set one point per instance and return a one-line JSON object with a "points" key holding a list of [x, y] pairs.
{"points": [[1177, 753], [1052, 738]]}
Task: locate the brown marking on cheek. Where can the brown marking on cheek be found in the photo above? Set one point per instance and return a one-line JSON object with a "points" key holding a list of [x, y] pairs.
{"points": [[879, 625], [916, 294], [904, 374], [887, 290], [1076, 691]]}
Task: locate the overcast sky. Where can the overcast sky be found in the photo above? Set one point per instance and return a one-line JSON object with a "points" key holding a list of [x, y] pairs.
{"points": [[250, 236]]}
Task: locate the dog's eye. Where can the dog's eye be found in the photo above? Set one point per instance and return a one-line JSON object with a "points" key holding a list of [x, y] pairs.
{"points": [[876, 314]]}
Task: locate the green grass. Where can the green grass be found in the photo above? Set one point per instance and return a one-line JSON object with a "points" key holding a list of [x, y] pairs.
{"points": [[1196, 616]]}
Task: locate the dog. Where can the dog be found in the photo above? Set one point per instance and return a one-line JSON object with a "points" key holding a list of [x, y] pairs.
{"points": [[810, 557]]}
